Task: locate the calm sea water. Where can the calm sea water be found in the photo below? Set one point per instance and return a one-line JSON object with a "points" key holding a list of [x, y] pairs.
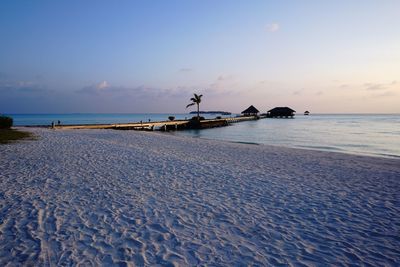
{"points": [[78, 118], [376, 135]]}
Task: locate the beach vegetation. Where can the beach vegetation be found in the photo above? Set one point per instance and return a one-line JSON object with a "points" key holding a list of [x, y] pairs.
{"points": [[12, 135], [196, 118], [5, 122], [171, 118], [196, 100]]}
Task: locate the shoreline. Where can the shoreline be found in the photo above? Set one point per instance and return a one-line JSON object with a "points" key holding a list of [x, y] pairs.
{"points": [[306, 148], [353, 134], [140, 198]]}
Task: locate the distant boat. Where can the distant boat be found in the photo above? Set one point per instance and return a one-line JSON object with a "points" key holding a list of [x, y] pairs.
{"points": [[306, 112]]}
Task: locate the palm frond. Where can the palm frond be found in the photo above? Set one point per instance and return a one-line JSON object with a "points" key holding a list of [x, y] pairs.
{"points": [[191, 104]]}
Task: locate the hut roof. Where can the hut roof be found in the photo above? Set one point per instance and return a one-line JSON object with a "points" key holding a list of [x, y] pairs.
{"points": [[250, 110], [281, 109]]}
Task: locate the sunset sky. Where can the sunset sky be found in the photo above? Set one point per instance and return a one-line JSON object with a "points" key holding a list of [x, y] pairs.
{"points": [[151, 56]]}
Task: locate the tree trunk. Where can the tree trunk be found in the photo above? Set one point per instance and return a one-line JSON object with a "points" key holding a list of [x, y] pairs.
{"points": [[198, 111]]}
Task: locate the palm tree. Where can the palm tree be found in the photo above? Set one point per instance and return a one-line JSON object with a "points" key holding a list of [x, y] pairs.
{"points": [[196, 100]]}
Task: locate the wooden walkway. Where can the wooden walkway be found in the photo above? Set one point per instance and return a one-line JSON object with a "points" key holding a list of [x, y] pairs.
{"points": [[158, 125], [122, 125]]}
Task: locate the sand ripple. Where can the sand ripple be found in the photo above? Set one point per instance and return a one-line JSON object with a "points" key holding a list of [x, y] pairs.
{"points": [[103, 197]]}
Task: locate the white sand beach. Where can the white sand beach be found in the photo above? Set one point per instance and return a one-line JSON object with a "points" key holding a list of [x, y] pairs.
{"points": [[106, 197]]}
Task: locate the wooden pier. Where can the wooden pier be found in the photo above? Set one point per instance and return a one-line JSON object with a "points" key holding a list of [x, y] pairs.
{"points": [[162, 125]]}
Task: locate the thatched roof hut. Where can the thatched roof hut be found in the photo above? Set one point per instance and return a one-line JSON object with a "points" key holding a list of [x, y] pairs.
{"points": [[306, 112], [250, 111], [281, 112]]}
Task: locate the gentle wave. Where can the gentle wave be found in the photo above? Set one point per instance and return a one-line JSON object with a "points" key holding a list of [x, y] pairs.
{"points": [[322, 148]]}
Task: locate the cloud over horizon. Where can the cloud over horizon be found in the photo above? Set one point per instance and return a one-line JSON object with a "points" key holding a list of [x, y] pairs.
{"points": [[16, 87], [142, 91], [226, 91], [375, 86]]}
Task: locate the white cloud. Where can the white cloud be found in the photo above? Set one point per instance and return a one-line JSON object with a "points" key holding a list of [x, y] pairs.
{"points": [[380, 86], [11, 86], [102, 85], [98, 88], [374, 86], [272, 27], [107, 90], [386, 94]]}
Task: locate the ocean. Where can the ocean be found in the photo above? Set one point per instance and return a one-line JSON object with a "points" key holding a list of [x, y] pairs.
{"points": [[94, 118], [366, 134]]}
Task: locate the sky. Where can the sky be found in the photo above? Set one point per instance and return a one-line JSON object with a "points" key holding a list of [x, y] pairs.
{"points": [[339, 56]]}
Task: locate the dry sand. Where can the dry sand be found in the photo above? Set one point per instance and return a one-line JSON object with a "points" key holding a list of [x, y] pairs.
{"points": [[105, 197]]}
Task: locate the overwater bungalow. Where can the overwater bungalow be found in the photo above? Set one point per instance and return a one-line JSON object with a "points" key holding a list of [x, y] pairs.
{"points": [[281, 112], [250, 111], [306, 112]]}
